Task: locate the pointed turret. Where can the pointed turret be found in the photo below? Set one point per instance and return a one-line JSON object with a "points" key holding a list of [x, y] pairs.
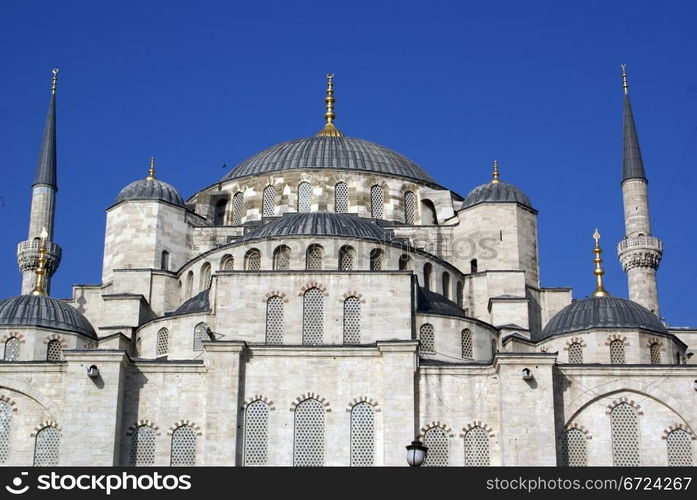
{"points": [[46, 165], [632, 164]]}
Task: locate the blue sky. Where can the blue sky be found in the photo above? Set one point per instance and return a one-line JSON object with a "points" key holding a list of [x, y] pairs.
{"points": [[451, 85]]}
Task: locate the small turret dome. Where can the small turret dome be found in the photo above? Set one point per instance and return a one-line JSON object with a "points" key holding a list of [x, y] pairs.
{"points": [[150, 188], [44, 311], [496, 191]]}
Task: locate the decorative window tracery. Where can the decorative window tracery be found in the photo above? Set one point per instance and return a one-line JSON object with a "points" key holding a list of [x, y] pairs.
{"points": [[352, 320], [341, 198]]}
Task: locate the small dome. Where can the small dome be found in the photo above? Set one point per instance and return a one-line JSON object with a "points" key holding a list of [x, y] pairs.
{"points": [[199, 303], [340, 153], [434, 303], [602, 312], [496, 192], [150, 189], [47, 312]]}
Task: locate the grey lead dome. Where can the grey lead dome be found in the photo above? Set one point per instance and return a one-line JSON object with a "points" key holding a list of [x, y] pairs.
{"points": [[43, 311], [150, 189], [496, 192]]}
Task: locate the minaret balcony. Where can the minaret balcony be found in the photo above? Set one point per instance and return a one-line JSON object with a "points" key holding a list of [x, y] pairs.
{"points": [[28, 255], [640, 251], [642, 241]]}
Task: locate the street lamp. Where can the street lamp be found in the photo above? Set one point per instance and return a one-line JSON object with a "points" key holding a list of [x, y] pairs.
{"points": [[416, 453]]}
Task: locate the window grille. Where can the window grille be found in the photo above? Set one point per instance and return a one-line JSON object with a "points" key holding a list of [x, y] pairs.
{"points": [[345, 259], [281, 258], [377, 199], [274, 320], [437, 441], [143, 446], [308, 446], [466, 343], [200, 334], [47, 447], [314, 258], [313, 317], [341, 198], [269, 202], [183, 446], [625, 436], [427, 338], [617, 352], [575, 353], [304, 197], [679, 448], [409, 207], [256, 433], [205, 281], [5, 426], [352, 321], [162, 342], [253, 260], [237, 208], [362, 435], [376, 259], [655, 351], [228, 263], [477, 447], [446, 285], [573, 448], [12, 349], [54, 351], [428, 269]]}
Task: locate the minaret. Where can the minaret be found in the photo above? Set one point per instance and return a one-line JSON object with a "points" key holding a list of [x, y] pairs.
{"points": [[639, 252], [43, 205]]}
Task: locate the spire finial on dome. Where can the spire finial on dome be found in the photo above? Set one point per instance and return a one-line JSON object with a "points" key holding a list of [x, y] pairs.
{"points": [[625, 85], [151, 170], [599, 288], [54, 80], [329, 129], [40, 287], [495, 175]]}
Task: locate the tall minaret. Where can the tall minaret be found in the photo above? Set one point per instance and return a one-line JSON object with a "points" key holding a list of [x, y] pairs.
{"points": [[43, 206], [639, 252]]}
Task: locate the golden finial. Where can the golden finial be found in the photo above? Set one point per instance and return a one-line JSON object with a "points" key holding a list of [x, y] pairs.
{"points": [[495, 175], [624, 78], [599, 289], [40, 287], [151, 170], [54, 80], [329, 129]]}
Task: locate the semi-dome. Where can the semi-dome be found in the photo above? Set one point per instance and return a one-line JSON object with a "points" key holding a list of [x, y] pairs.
{"points": [[496, 192], [323, 152], [43, 311], [602, 312], [150, 189]]}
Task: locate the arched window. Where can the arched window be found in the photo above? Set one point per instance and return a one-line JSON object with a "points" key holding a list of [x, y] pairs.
{"points": [[404, 262], [377, 202], [227, 263], [162, 343], [362, 435], [409, 207], [308, 443], [477, 447], [437, 442], [352, 320], [189, 283], [679, 445], [281, 258], [473, 266], [446, 285], [5, 426], [313, 317], [346, 258], [304, 197], [655, 353], [573, 448], [428, 213], [617, 352], [143, 446], [46, 447], [376, 258], [341, 198], [205, 279], [274, 320], [313, 259], [494, 348], [237, 208], [200, 334], [459, 295], [427, 336], [269, 201], [54, 351], [164, 260], [12, 349], [183, 446], [252, 260], [625, 435], [256, 433], [428, 271], [220, 209], [466, 337], [575, 353]]}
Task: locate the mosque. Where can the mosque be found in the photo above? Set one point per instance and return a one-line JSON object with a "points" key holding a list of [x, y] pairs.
{"points": [[326, 303]]}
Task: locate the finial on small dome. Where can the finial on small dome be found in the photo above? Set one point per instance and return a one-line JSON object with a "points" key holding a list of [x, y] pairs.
{"points": [[151, 170], [329, 129], [495, 175], [40, 287], [54, 80], [599, 288], [624, 79]]}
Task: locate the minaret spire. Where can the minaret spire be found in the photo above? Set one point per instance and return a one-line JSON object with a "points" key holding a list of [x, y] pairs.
{"points": [[329, 129], [632, 163], [598, 271], [46, 165]]}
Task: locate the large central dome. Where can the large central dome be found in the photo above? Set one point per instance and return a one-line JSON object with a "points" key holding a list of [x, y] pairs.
{"points": [[342, 153]]}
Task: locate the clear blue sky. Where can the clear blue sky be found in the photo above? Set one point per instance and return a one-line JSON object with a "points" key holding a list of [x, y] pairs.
{"points": [[452, 85]]}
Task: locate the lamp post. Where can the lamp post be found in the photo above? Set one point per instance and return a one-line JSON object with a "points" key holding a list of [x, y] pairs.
{"points": [[416, 453]]}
